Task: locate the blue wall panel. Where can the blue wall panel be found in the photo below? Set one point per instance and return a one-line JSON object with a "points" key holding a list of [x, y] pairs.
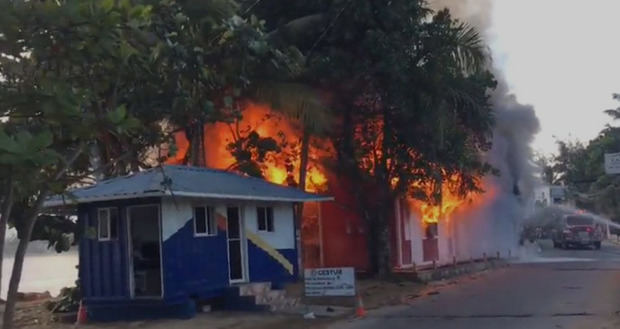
{"points": [[194, 266], [103, 269], [100, 261], [264, 268]]}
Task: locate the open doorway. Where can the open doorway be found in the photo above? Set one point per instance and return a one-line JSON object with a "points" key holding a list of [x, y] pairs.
{"points": [[430, 243], [311, 235], [236, 246], [144, 251]]}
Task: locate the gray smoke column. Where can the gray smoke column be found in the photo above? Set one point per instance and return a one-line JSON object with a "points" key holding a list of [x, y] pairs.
{"points": [[495, 225]]}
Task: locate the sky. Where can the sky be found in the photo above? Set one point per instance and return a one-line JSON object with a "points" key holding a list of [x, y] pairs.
{"points": [[562, 57]]}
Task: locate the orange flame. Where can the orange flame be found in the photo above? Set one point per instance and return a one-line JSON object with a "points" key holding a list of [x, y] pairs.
{"points": [[277, 167], [370, 136], [451, 202], [282, 167]]}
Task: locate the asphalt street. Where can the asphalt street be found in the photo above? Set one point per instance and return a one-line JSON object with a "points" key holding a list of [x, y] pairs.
{"points": [[551, 288]]}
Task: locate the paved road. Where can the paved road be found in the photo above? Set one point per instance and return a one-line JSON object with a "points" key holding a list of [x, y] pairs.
{"points": [[557, 289]]}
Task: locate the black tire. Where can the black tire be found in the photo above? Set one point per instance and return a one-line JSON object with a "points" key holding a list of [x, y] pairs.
{"points": [[597, 245]]}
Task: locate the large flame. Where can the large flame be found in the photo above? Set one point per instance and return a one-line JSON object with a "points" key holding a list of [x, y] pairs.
{"points": [[277, 167], [370, 137], [283, 167], [451, 201]]}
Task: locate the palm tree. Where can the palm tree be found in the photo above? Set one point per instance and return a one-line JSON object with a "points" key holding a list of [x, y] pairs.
{"points": [[303, 105]]}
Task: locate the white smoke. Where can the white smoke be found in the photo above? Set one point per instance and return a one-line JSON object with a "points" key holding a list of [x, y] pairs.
{"points": [[495, 226]]}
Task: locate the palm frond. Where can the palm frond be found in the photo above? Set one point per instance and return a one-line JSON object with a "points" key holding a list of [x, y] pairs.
{"points": [[298, 102], [470, 52]]}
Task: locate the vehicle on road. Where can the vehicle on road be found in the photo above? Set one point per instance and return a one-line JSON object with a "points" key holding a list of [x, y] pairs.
{"points": [[577, 231]]}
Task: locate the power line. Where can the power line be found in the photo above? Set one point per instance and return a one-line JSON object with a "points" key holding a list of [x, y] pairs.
{"points": [[327, 28]]}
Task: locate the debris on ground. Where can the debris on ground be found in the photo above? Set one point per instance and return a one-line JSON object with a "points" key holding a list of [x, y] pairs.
{"points": [[309, 316], [33, 314], [33, 296]]}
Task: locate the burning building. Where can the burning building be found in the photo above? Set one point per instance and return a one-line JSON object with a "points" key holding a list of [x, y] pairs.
{"points": [[266, 143], [332, 234]]}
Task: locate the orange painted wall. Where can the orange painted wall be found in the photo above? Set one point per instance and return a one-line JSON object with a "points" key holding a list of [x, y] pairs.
{"points": [[343, 228]]}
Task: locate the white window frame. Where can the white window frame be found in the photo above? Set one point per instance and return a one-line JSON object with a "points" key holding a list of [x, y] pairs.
{"points": [[107, 210], [273, 221], [212, 229]]}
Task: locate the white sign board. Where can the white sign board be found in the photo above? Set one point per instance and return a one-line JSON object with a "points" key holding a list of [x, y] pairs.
{"points": [[334, 281], [612, 163]]}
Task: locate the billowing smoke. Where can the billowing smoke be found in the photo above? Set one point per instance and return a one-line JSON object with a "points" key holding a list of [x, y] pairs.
{"points": [[474, 12], [495, 226]]}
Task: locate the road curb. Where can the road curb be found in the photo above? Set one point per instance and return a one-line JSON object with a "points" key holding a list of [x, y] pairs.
{"points": [[460, 269]]}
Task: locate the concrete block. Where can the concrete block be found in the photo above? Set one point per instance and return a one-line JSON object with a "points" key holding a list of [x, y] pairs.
{"points": [[254, 289]]}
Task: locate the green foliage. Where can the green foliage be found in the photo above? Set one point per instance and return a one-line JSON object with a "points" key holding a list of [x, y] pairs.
{"points": [[77, 76], [26, 148], [401, 91], [208, 59], [547, 173], [408, 90], [408, 85], [571, 165], [414, 90], [581, 168]]}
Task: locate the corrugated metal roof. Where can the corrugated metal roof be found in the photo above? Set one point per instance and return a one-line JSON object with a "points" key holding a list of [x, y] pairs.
{"points": [[185, 182]]}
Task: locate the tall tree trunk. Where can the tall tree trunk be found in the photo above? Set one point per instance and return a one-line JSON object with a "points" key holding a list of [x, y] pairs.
{"points": [[378, 235], [7, 206], [196, 145], [303, 163], [303, 171], [187, 160], [385, 203], [20, 254], [384, 252], [22, 247], [372, 239]]}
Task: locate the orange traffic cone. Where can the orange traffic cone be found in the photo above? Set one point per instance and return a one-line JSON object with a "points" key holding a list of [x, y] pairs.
{"points": [[81, 314], [360, 311]]}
